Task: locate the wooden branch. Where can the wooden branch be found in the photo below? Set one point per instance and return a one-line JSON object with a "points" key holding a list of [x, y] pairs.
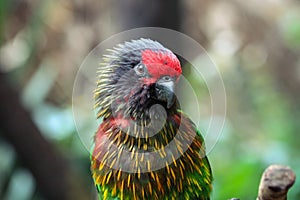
{"points": [[275, 183]]}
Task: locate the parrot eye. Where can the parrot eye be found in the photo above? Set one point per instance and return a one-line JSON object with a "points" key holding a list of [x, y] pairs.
{"points": [[167, 78], [140, 69]]}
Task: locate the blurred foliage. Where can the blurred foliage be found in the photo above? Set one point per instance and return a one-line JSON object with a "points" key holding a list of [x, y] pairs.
{"points": [[255, 45]]}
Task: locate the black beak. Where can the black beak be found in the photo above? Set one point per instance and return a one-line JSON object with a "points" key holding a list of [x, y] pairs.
{"points": [[164, 91]]}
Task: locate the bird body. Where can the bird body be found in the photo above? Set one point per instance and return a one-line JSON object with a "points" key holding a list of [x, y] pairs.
{"points": [[145, 147]]}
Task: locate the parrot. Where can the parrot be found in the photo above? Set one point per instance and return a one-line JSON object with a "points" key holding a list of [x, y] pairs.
{"points": [[145, 146]]}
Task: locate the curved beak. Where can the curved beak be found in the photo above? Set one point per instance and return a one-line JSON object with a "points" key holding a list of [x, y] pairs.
{"points": [[164, 91]]}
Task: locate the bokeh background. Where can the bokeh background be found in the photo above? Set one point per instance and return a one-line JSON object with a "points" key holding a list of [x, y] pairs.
{"points": [[255, 44]]}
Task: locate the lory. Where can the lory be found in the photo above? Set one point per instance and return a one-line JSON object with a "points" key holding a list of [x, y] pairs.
{"points": [[145, 146]]}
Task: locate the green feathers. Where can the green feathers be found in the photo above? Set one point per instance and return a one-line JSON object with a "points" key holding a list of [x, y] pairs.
{"points": [[188, 177]]}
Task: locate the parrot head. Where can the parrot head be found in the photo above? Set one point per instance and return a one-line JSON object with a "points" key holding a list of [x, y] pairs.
{"points": [[137, 75]]}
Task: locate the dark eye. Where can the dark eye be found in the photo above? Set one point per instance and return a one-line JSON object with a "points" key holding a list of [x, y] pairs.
{"points": [[167, 78], [140, 69]]}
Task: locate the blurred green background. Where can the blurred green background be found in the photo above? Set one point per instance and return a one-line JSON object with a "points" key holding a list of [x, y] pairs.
{"points": [[255, 44]]}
